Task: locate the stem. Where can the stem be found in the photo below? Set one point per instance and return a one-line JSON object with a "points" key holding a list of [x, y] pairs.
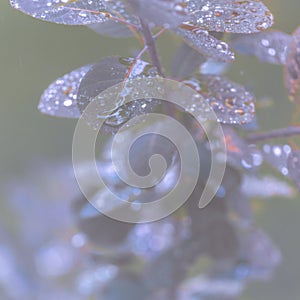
{"points": [[274, 134], [151, 47]]}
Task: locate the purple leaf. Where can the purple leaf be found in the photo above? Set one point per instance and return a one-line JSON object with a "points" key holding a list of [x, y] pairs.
{"points": [[60, 98], [186, 61], [270, 47], [293, 166], [231, 102], [292, 68], [112, 29], [68, 12], [276, 156], [285, 160], [169, 13], [229, 16], [105, 74], [205, 43]]}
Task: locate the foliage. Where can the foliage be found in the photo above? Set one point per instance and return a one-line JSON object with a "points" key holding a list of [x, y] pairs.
{"points": [[114, 260]]}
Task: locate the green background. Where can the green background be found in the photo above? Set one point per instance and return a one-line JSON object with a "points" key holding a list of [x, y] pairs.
{"points": [[35, 53]]}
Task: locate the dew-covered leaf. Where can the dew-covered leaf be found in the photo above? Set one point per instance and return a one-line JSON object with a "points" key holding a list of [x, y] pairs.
{"points": [[270, 47], [292, 67], [108, 73], [285, 160], [186, 61], [68, 12], [235, 16], [121, 10], [239, 152], [205, 43], [170, 13], [60, 98], [231, 102]]}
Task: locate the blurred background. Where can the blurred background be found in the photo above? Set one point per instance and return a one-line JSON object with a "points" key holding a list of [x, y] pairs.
{"points": [[34, 53]]}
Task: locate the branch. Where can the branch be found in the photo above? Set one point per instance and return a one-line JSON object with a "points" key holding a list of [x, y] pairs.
{"points": [[151, 47], [273, 134]]}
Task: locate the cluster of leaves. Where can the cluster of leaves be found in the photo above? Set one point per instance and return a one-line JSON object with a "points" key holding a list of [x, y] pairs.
{"points": [[198, 22], [155, 261], [195, 21], [75, 252]]}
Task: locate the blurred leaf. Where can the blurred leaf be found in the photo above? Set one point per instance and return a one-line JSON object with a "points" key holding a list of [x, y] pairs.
{"points": [[170, 268], [270, 47], [276, 156], [292, 67], [259, 252], [186, 61], [60, 98], [213, 67], [231, 102], [293, 165], [151, 239], [285, 160], [229, 16], [169, 13], [205, 287], [205, 44], [100, 229], [265, 187], [239, 153], [112, 29]]}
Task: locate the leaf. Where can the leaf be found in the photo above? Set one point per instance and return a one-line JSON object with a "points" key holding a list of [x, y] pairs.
{"points": [[169, 13], [239, 153], [60, 98], [259, 252], [100, 229], [231, 102], [271, 47], [112, 29], [292, 67], [205, 43], [108, 73], [115, 28], [68, 12], [266, 187], [293, 166], [229, 16], [285, 160], [214, 67], [209, 287], [186, 61], [276, 156], [151, 239]]}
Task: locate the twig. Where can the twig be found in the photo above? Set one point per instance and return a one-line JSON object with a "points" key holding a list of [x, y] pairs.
{"points": [[151, 47], [274, 134]]}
